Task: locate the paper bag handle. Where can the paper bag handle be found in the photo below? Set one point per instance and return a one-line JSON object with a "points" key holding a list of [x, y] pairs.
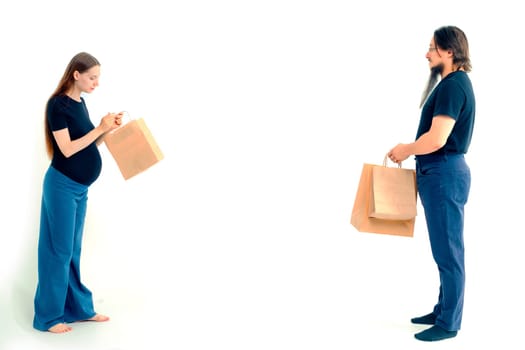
{"points": [[126, 113], [385, 160]]}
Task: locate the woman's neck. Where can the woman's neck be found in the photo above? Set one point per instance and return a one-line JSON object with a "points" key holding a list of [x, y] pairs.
{"points": [[74, 94]]}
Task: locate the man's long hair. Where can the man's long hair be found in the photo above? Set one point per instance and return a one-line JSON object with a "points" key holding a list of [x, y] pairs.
{"points": [[454, 39]]}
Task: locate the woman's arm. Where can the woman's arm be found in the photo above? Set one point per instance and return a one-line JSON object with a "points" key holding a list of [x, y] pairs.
{"points": [[69, 147]]}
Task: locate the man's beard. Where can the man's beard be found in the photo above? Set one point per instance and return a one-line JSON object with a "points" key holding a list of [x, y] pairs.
{"points": [[433, 79]]}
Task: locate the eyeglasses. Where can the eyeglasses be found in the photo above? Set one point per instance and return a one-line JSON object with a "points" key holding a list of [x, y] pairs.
{"points": [[430, 49]]}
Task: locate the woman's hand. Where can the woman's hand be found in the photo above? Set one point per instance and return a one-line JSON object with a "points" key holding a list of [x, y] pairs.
{"points": [[111, 121], [118, 118]]}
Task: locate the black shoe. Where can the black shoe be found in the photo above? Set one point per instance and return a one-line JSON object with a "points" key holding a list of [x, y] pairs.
{"points": [[427, 319], [435, 333]]}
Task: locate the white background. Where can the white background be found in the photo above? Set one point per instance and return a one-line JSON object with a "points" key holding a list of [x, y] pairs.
{"points": [[265, 112]]}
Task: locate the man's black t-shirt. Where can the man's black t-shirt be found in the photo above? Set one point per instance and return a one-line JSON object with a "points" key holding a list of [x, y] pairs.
{"points": [[453, 97]]}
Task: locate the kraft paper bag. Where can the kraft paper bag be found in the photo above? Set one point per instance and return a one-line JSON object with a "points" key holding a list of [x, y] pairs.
{"points": [[362, 218], [133, 147], [394, 193]]}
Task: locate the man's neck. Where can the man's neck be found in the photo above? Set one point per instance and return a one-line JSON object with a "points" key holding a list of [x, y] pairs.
{"points": [[448, 70]]}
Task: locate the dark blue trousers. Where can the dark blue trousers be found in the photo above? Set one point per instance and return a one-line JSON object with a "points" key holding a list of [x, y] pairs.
{"points": [[443, 185], [60, 296]]}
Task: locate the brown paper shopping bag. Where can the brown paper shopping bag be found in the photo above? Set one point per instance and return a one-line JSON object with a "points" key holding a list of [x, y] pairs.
{"points": [[393, 193], [133, 147], [380, 206]]}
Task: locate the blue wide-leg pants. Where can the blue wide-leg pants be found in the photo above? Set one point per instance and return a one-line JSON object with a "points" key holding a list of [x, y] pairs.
{"points": [[60, 296], [443, 185]]}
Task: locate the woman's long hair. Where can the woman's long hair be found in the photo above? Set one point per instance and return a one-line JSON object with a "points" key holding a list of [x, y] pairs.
{"points": [[81, 62]]}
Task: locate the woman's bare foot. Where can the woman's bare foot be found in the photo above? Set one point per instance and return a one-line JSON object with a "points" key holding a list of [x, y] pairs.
{"points": [[99, 318], [60, 328]]}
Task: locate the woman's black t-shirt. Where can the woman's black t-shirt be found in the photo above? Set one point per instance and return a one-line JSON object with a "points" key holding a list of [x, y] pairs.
{"points": [[84, 166]]}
